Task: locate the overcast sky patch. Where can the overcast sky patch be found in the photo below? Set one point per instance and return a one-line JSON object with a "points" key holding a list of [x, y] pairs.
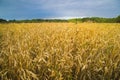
{"points": [[29, 9]]}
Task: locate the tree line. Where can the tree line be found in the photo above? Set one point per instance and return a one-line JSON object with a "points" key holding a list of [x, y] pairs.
{"points": [[75, 20], [96, 20]]}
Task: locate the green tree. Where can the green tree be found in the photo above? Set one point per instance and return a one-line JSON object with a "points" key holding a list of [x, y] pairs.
{"points": [[118, 19], [3, 20]]}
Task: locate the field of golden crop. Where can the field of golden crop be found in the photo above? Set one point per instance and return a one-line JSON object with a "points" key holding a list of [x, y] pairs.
{"points": [[59, 51]]}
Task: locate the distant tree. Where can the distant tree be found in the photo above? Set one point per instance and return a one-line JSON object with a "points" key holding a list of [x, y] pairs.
{"points": [[12, 20], [76, 21], [3, 20], [118, 19]]}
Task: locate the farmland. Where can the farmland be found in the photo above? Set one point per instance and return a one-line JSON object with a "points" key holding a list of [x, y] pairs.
{"points": [[60, 51]]}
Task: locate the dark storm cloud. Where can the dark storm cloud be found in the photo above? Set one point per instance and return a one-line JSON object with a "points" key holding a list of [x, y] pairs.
{"points": [[27, 9]]}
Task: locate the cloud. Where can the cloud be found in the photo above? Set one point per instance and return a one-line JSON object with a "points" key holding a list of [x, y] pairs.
{"points": [[74, 7], [59, 8]]}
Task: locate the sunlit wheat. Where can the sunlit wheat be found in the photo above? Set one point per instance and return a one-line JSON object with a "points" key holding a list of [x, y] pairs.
{"points": [[59, 51]]}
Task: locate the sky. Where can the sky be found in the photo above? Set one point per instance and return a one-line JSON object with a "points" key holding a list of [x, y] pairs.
{"points": [[31, 9]]}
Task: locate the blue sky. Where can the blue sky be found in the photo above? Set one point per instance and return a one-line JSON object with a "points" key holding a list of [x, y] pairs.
{"points": [[29, 9]]}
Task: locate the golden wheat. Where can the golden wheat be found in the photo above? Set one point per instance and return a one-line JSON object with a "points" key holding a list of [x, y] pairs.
{"points": [[59, 51]]}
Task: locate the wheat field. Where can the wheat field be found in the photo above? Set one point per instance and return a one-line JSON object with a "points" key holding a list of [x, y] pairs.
{"points": [[60, 51]]}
